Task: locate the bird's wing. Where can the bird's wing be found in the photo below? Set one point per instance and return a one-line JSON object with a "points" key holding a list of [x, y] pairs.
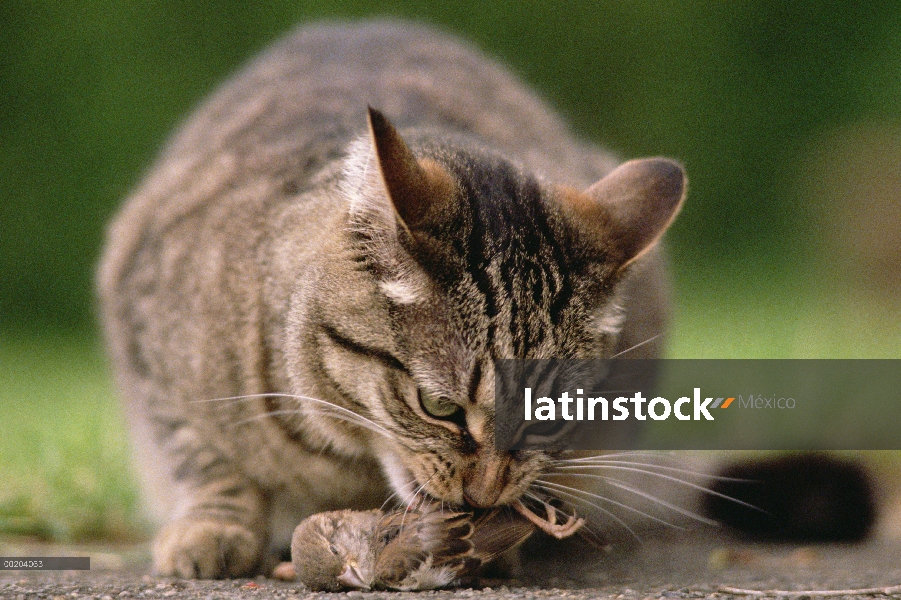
{"points": [[415, 540], [496, 532]]}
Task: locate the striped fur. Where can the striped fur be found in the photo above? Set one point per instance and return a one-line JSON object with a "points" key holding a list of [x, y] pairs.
{"points": [[273, 320]]}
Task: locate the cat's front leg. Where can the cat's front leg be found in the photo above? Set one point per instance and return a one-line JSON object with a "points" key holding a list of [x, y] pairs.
{"points": [[220, 528]]}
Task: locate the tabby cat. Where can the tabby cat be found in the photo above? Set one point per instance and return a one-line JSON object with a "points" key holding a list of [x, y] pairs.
{"points": [[304, 298]]}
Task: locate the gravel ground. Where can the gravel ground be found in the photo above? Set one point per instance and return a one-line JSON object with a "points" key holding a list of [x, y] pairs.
{"points": [[671, 567]]}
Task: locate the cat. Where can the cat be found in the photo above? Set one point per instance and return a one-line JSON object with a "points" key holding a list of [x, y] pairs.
{"points": [[303, 298]]}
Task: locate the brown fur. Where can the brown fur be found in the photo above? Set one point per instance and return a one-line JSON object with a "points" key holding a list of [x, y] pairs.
{"points": [[267, 253]]}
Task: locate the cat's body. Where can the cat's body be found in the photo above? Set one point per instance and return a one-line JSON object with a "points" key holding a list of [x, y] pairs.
{"points": [[261, 256]]}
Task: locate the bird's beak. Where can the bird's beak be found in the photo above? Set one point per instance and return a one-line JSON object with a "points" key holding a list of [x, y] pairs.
{"points": [[350, 577]]}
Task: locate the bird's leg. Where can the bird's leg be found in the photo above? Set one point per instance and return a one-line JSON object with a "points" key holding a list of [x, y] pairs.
{"points": [[549, 524]]}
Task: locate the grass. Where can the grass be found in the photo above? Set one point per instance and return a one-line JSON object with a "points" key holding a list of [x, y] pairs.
{"points": [[782, 317], [64, 457]]}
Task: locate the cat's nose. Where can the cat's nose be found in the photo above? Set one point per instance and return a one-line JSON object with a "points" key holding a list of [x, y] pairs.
{"points": [[483, 485]]}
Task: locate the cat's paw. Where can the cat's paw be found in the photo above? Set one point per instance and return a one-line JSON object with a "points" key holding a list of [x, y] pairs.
{"points": [[206, 549]]}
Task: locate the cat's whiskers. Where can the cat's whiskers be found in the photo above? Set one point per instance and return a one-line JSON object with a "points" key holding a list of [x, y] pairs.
{"points": [[627, 454], [598, 462], [409, 500], [636, 346], [591, 467], [339, 416], [587, 494], [565, 471], [390, 497], [347, 414], [343, 414], [657, 455], [647, 496], [408, 497]]}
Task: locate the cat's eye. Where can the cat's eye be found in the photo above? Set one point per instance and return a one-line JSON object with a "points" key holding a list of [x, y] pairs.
{"points": [[543, 433], [438, 407]]}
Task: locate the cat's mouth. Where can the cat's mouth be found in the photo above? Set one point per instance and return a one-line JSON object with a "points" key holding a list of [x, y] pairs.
{"points": [[542, 515], [549, 522]]}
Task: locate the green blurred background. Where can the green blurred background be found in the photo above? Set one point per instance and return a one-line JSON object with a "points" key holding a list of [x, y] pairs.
{"points": [[786, 114]]}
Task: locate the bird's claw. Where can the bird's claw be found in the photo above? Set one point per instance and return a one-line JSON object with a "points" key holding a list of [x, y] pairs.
{"points": [[549, 524]]}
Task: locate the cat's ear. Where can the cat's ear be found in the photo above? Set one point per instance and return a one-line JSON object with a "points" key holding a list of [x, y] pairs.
{"points": [[419, 189], [628, 210]]}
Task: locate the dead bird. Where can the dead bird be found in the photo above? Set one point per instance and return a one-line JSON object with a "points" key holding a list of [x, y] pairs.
{"points": [[419, 549]]}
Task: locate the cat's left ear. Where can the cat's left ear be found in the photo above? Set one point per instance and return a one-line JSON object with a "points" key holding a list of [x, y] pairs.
{"points": [[625, 213], [419, 189]]}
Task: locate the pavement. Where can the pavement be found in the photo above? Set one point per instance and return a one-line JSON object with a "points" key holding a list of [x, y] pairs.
{"points": [[673, 565]]}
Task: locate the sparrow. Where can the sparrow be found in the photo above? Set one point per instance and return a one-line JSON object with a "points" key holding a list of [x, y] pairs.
{"points": [[404, 550]]}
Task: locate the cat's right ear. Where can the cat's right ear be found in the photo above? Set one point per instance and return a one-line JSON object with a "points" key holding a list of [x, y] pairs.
{"points": [[420, 190], [627, 211]]}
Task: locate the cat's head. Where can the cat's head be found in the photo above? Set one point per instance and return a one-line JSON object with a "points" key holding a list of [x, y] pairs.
{"points": [[454, 258]]}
